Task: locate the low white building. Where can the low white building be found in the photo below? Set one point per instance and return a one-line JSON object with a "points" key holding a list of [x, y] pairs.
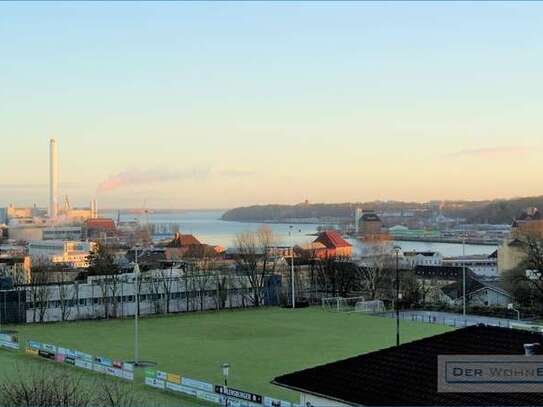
{"points": [[414, 259], [72, 253], [160, 292]]}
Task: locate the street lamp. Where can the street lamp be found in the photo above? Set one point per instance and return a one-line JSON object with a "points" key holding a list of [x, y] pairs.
{"points": [[225, 373], [292, 267], [464, 272], [397, 302]]}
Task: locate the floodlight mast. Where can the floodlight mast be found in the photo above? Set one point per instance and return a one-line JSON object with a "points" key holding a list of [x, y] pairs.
{"points": [[136, 313]]}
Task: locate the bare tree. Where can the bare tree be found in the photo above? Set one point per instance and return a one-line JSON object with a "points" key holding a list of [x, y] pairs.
{"points": [[44, 388], [375, 272], [39, 290], [66, 294], [255, 259]]}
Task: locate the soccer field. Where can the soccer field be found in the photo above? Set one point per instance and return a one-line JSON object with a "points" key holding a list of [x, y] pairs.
{"points": [[258, 343]]}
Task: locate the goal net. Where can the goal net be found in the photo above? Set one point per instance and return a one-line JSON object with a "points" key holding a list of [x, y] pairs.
{"points": [[370, 306], [341, 304]]}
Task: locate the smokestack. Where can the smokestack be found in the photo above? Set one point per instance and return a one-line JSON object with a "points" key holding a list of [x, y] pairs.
{"points": [[94, 209], [53, 178]]}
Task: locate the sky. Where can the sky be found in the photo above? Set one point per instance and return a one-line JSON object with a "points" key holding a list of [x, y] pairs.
{"points": [[218, 105]]}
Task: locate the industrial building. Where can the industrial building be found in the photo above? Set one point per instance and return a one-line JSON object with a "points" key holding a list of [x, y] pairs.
{"points": [[73, 254]]}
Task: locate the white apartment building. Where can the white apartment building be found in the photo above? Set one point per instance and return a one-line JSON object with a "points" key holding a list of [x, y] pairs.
{"points": [[480, 264], [414, 259], [71, 253]]}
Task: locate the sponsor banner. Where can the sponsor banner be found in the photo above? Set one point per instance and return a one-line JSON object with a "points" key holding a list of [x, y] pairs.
{"points": [[46, 355], [128, 375], [158, 384], [9, 345], [84, 364], [103, 361], [211, 397], [271, 402], [49, 348], [181, 389], [197, 384], [173, 378], [99, 368], [149, 372], [9, 341], [34, 345], [240, 394], [161, 375], [69, 360], [83, 360]]}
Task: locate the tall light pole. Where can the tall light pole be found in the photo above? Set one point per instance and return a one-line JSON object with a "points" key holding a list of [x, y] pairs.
{"points": [[136, 314], [397, 302], [293, 292], [464, 271]]}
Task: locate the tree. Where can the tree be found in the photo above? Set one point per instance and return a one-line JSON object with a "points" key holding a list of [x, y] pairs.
{"points": [[39, 289], [255, 260], [376, 272], [43, 388], [101, 262], [528, 289]]}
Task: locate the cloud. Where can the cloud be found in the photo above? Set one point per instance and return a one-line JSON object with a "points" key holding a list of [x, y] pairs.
{"points": [[509, 151], [150, 177]]}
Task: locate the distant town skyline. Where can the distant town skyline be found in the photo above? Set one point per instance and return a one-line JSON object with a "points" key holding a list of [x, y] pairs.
{"points": [[200, 105]]}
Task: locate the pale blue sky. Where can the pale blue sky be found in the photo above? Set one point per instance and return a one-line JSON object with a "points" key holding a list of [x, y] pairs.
{"points": [[224, 104]]}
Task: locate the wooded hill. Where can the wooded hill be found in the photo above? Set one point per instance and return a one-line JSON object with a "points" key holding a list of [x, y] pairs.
{"points": [[499, 211]]}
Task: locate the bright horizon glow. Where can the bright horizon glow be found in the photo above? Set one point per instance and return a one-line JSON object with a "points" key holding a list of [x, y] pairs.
{"points": [[217, 105]]}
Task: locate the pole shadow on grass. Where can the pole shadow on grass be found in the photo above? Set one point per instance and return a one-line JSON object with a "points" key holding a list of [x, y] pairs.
{"points": [[143, 363]]}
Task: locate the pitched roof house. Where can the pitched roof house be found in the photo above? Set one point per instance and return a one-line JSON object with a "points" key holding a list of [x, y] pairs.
{"points": [[335, 245]]}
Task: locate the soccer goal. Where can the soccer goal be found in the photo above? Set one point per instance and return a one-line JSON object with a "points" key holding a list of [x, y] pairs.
{"points": [[341, 304], [372, 306]]}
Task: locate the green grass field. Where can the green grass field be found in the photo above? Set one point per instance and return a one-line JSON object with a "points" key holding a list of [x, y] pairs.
{"points": [[259, 344]]}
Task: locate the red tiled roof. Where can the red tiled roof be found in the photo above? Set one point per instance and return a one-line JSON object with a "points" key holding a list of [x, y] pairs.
{"points": [[332, 239], [100, 223], [184, 240]]}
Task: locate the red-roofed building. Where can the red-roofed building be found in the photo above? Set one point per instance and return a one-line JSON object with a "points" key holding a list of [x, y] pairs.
{"points": [[335, 245], [188, 245], [180, 240], [99, 228]]}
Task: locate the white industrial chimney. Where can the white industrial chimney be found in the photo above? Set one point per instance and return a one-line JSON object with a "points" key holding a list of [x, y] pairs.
{"points": [[53, 178], [94, 209]]}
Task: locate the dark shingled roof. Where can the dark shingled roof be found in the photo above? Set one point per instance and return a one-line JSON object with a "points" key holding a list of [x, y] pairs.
{"points": [[407, 375]]}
